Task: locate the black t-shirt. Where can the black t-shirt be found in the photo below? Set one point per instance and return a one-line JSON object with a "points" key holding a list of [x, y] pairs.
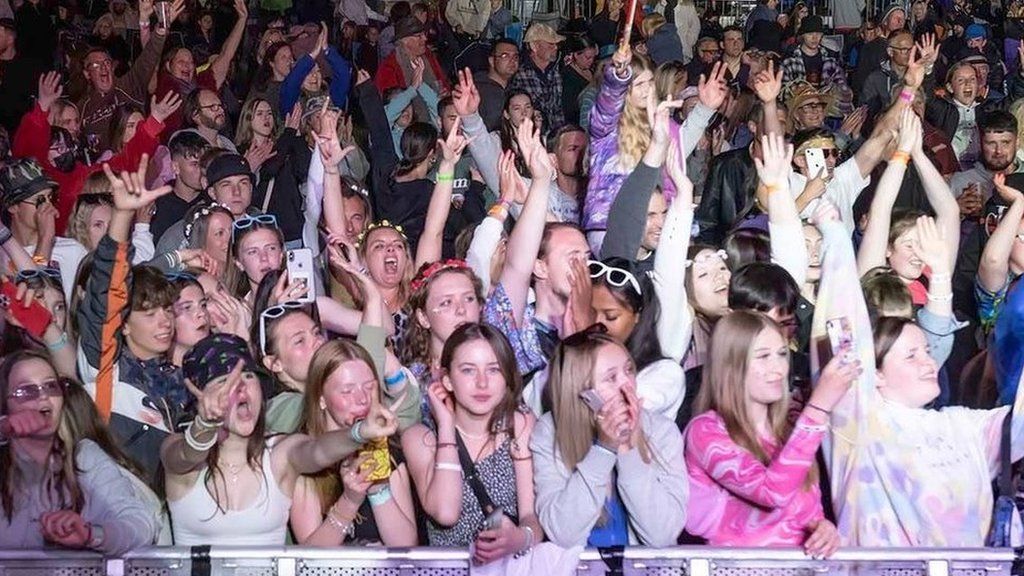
{"points": [[813, 66], [170, 208]]}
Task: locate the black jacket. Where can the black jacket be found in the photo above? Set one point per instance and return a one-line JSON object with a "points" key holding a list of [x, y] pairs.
{"points": [[728, 194]]}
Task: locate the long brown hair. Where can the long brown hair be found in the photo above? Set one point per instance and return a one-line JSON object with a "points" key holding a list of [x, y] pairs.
{"points": [[416, 343], [724, 387], [325, 361], [572, 372], [502, 417], [62, 482]]}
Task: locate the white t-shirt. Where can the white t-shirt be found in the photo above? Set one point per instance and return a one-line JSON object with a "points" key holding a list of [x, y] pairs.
{"points": [[67, 255], [843, 189]]}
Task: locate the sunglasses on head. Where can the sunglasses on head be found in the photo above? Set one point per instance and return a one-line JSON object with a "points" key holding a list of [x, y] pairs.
{"points": [[26, 275], [31, 392], [614, 276], [174, 276], [246, 222], [273, 313]]}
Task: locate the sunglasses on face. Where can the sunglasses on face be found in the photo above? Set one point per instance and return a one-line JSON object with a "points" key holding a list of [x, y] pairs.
{"points": [[273, 313], [41, 199], [246, 222], [614, 276], [31, 392]]}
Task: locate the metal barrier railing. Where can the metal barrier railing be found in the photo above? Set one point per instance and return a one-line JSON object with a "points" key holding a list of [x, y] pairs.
{"points": [[368, 561]]}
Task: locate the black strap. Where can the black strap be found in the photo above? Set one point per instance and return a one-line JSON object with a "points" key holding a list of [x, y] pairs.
{"points": [[1005, 463], [470, 475], [613, 557], [200, 560]]}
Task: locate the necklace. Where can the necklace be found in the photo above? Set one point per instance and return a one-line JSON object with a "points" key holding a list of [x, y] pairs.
{"points": [[472, 436], [234, 470]]}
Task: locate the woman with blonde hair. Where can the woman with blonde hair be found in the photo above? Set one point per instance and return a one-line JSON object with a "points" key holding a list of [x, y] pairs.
{"points": [[607, 471], [90, 219], [752, 473], [620, 131]]}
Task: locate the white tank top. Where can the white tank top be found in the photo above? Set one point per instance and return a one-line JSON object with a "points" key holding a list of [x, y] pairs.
{"points": [[197, 521]]}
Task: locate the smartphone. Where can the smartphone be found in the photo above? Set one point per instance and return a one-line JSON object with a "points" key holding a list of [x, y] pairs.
{"points": [[381, 457], [300, 267], [34, 317], [493, 520], [815, 162], [840, 335], [592, 399]]}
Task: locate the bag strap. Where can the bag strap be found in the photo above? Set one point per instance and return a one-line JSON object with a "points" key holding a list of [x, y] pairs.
{"points": [[266, 199], [470, 475], [1005, 462]]}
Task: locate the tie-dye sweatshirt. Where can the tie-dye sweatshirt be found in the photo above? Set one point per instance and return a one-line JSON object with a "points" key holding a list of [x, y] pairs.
{"points": [[736, 500], [902, 476]]}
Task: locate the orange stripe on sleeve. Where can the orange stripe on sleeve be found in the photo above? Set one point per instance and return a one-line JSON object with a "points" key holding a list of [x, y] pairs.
{"points": [[117, 299]]}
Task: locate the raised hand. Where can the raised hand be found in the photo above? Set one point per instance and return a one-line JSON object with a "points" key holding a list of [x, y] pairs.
{"points": [[381, 421], [825, 212], [287, 290], [659, 117], [65, 527], [46, 221], [510, 184], [212, 402], [197, 258], [774, 169], [927, 50], [294, 118], [539, 162], [578, 312], [453, 145], [931, 246], [465, 96], [129, 189], [675, 165], [527, 137], [163, 109], [331, 151], [1009, 195], [910, 131], [834, 382], [242, 10], [442, 406], [854, 122], [712, 90], [914, 76], [768, 83], [50, 89], [145, 10], [22, 424], [257, 154], [622, 58], [321, 41]]}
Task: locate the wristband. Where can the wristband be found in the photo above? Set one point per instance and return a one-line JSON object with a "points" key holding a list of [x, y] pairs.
{"points": [[906, 95], [819, 408], [946, 298], [771, 188], [346, 528], [446, 177], [206, 423], [498, 211], [40, 260], [396, 379], [380, 496], [940, 276], [355, 434], [448, 466], [529, 542], [59, 344], [901, 157], [96, 536], [195, 444]]}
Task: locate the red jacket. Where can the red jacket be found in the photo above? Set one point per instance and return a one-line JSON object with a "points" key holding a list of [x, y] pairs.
{"points": [[32, 140], [389, 74]]}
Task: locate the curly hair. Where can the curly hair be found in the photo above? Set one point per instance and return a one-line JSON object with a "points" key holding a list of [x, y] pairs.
{"points": [[416, 343], [634, 127]]}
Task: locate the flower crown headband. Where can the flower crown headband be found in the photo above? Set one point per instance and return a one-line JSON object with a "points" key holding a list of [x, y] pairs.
{"points": [[375, 225], [432, 270], [204, 211]]}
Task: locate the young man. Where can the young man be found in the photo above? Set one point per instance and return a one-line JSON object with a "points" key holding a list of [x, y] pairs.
{"points": [[502, 65], [26, 197], [186, 149], [812, 63]]}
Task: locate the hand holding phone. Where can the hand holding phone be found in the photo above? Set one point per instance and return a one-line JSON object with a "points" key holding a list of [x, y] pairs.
{"points": [[34, 317], [592, 399], [300, 269], [840, 336], [815, 158]]}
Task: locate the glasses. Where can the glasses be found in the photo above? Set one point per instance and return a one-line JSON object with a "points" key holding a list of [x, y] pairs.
{"points": [[246, 222], [38, 273], [41, 199], [706, 257], [901, 49], [93, 66], [273, 313], [615, 276], [31, 392], [830, 152], [813, 106]]}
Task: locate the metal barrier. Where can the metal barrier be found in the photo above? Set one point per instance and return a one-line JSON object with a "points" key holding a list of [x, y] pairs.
{"points": [[353, 561]]}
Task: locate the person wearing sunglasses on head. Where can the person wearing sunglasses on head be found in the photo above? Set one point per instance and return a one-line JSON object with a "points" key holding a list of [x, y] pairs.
{"points": [[126, 324], [256, 248], [57, 487], [27, 198]]}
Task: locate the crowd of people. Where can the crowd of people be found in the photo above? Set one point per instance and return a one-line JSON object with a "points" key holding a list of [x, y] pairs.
{"points": [[360, 273]]}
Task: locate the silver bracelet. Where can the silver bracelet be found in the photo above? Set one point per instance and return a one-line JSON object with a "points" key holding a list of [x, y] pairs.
{"points": [[448, 466], [195, 444], [346, 529], [529, 543]]}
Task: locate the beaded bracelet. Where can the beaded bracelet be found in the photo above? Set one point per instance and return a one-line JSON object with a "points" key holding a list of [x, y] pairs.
{"points": [[380, 496]]}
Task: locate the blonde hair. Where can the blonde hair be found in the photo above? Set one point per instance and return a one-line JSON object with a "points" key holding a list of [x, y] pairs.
{"points": [[724, 387], [651, 23], [1017, 109], [244, 133], [85, 204], [572, 372], [634, 127]]}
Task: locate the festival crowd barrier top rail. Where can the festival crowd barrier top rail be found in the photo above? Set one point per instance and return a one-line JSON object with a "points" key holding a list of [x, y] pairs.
{"points": [[366, 561]]}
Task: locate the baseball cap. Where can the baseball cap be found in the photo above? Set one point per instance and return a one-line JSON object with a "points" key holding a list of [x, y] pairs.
{"points": [[226, 166], [975, 31], [216, 356], [539, 32], [20, 180], [408, 26]]}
